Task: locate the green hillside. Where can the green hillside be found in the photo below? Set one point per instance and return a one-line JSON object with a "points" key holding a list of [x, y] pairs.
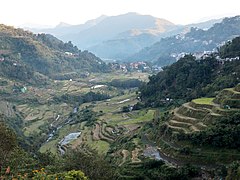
{"points": [[62, 116], [203, 131], [189, 78], [45, 53]]}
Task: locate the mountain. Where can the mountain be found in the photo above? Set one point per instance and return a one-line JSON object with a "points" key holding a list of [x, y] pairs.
{"points": [[132, 33], [132, 41], [64, 29], [190, 78], [121, 48], [197, 40], [126, 34], [43, 53], [110, 27]]}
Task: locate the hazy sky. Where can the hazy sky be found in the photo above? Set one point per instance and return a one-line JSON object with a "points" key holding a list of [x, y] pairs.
{"points": [[51, 12]]}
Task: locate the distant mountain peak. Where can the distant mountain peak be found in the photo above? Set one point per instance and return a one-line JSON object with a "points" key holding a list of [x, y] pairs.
{"points": [[93, 22], [63, 24], [193, 39], [132, 13]]}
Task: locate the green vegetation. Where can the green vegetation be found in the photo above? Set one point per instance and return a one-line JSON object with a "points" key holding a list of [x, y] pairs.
{"points": [[230, 49], [74, 99], [203, 100], [23, 52], [119, 133], [141, 117], [188, 79], [200, 131], [223, 133], [101, 146], [8, 143], [15, 162], [41, 174], [126, 84], [151, 169], [233, 171]]}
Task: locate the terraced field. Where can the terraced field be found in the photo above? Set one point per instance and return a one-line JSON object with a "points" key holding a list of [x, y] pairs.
{"points": [[45, 115], [36, 116], [199, 113], [196, 116]]}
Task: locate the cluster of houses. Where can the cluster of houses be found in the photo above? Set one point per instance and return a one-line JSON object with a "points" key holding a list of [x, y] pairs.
{"points": [[222, 61], [204, 55], [134, 66], [198, 55]]}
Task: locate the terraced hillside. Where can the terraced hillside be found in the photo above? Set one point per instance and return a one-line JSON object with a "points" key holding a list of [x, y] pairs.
{"points": [[57, 115], [199, 113], [178, 136], [112, 123]]}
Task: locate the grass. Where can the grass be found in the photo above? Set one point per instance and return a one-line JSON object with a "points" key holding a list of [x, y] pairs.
{"points": [[136, 141], [199, 155], [148, 116], [51, 146], [232, 90], [203, 101], [101, 146], [112, 109], [107, 77], [33, 128], [36, 115]]}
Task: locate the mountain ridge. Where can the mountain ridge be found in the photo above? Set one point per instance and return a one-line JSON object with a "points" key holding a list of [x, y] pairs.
{"points": [[196, 40], [125, 34], [44, 53]]}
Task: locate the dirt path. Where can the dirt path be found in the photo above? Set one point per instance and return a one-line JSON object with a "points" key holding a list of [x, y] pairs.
{"points": [[96, 132], [182, 116], [125, 154], [135, 153]]}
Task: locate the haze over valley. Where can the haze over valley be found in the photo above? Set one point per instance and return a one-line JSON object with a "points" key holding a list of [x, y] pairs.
{"points": [[125, 34]]}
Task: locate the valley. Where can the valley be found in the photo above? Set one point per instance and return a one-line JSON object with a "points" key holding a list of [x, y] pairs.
{"points": [[43, 113], [112, 126], [171, 111]]}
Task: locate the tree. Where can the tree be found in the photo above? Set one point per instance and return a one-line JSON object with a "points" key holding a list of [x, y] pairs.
{"points": [[87, 160], [8, 144]]}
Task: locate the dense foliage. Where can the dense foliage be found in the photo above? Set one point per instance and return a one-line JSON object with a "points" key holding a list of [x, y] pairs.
{"points": [[93, 165], [45, 53], [152, 169], [11, 68], [14, 161], [85, 114], [189, 78], [8, 143], [231, 49], [79, 99], [223, 133], [126, 84], [233, 171]]}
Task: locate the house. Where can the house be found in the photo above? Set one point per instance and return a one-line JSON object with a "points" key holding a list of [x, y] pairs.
{"points": [[2, 59], [24, 89], [68, 53]]}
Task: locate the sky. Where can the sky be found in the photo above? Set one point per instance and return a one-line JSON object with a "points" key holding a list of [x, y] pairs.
{"points": [[52, 12]]}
